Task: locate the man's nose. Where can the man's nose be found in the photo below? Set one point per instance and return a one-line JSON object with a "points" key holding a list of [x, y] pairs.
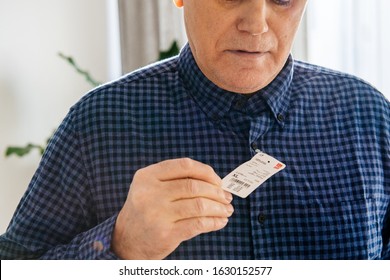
{"points": [[254, 18]]}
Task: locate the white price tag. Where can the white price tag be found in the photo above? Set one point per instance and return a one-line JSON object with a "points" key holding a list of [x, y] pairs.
{"points": [[243, 180]]}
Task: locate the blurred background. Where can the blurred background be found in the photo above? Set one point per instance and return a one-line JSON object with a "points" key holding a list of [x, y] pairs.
{"points": [[108, 38]]}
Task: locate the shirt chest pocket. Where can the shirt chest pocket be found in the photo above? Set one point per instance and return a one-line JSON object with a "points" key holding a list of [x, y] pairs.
{"points": [[344, 229]]}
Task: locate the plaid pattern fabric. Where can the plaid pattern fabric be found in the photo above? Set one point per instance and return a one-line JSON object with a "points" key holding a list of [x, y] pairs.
{"points": [[331, 129]]}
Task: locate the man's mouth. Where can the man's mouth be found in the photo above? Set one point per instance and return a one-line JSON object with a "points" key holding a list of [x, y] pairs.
{"points": [[247, 53], [244, 51]]}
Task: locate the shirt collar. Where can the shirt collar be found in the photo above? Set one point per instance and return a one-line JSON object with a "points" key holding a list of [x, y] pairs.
{"points": [[217, 102]]}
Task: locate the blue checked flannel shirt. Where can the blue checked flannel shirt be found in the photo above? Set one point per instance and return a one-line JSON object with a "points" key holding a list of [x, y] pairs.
{"points": [[330, 129]]}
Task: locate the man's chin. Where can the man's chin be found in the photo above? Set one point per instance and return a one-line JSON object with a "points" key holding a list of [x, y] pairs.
{"points": [[243, 85]]}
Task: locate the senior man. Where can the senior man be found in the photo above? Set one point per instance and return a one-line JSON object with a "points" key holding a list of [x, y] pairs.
{"points": [[134, 171]]}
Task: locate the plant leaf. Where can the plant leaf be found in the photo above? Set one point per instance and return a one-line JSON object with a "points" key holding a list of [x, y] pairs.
{"points": [[173, 50], [22, 151], [82, 72]]}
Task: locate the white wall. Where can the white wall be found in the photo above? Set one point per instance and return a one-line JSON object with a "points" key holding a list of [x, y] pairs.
{"points": [[356, 40], [36, 86]]}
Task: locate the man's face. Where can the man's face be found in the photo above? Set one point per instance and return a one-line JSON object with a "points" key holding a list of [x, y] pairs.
{"points": [[241, 45]]}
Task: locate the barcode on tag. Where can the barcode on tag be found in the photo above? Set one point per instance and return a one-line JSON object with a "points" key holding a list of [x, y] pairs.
{"points": [[236, 185], [243, 180], [240, 182]]}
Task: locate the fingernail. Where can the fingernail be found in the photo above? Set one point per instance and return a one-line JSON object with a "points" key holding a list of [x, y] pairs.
{"points": [[223, 222], [228, 197], [230, 209]]}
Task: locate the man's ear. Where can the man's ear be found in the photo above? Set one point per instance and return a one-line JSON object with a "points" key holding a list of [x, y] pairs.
{"points": [[178, 3]]}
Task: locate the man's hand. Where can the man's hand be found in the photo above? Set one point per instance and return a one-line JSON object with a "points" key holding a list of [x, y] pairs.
{"points": [[168, 203]]}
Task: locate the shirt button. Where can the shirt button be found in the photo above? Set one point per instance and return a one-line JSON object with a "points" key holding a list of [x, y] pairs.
{"points": [[254, 146], [261, 218], [280, 117], [215, 118], [240, 104]]}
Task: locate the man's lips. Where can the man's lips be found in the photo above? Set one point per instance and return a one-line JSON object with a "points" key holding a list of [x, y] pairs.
{"points": [[247, 53]]}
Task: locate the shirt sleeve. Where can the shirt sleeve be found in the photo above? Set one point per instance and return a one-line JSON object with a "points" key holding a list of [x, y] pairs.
{"points": [[56, 218], [386, 161]]}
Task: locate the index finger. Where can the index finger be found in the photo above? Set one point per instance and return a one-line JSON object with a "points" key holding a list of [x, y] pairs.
{"points": [[183, 168]]}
